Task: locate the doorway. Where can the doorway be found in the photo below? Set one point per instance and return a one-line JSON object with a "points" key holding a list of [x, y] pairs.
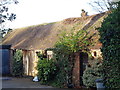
{"points": [[83, 65]]}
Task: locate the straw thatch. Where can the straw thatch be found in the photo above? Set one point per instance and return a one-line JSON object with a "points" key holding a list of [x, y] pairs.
{"points": [[44, 36]]}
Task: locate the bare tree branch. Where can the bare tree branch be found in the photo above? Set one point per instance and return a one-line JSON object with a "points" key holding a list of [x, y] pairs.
{"points": [[96, 8], [101, 5]]}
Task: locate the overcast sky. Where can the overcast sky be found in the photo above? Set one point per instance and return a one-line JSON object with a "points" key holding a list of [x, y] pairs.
{"points": [[32, 12]]}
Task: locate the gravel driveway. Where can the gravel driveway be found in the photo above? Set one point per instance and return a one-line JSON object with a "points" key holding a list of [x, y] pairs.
{"points": [[10, 82]]}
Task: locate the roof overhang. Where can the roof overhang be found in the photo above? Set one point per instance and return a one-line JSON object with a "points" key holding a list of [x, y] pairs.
{"points": [[5, 46]]}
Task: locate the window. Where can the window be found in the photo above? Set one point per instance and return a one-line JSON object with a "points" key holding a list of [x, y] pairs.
{"points": [[95, 53]]}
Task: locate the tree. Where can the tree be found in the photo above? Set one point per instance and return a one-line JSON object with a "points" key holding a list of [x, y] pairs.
{"points": [[110, 39], [5, 15], [102, 5], [69, 43]]}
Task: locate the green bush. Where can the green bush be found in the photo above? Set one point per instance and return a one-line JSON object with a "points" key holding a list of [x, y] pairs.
{"points": [[110, 39], [92, 73], [46, 70], [17, 63], [64, 71]]}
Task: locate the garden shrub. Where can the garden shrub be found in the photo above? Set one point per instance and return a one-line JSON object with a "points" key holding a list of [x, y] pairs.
{"points": [[46, 70], [17, 63], [92, 73], [110, 39], [64, 70]]}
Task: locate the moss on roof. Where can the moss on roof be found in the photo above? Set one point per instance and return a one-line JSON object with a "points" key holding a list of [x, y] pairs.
{"points": [[45, 35]]}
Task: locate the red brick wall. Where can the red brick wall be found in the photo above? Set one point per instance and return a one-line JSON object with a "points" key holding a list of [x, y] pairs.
{"points": [[76, 70]]}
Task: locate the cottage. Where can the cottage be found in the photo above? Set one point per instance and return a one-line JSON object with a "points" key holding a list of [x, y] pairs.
{"points": [[38, 38]]}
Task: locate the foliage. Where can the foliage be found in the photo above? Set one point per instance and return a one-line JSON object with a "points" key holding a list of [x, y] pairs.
{"points": [[73, 41], [5, 15], [110, 39], [69, 43], [64, 68], [46, 70], [17, 63], [92, 73]]}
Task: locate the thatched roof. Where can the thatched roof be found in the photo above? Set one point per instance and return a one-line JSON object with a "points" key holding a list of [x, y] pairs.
{"points": [[45, 35]]}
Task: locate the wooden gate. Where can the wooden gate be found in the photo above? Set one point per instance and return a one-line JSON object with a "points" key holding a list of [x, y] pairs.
{"points": [[5, 59]]}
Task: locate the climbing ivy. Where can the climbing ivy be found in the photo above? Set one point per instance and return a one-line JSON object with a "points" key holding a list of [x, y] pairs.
{"points": [[110, 39]]}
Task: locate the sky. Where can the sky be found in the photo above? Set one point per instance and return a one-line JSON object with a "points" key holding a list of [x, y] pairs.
{"points": [[33, 12]]}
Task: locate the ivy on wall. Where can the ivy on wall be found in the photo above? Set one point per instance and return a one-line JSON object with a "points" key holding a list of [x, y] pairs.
{"points": [[110, 39]]}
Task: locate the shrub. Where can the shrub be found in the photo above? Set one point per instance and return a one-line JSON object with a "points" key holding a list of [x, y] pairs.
{"points": [[64, 52], [91, 74], [64, 69], [46, 70], [17, 63], [110, 39]]}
